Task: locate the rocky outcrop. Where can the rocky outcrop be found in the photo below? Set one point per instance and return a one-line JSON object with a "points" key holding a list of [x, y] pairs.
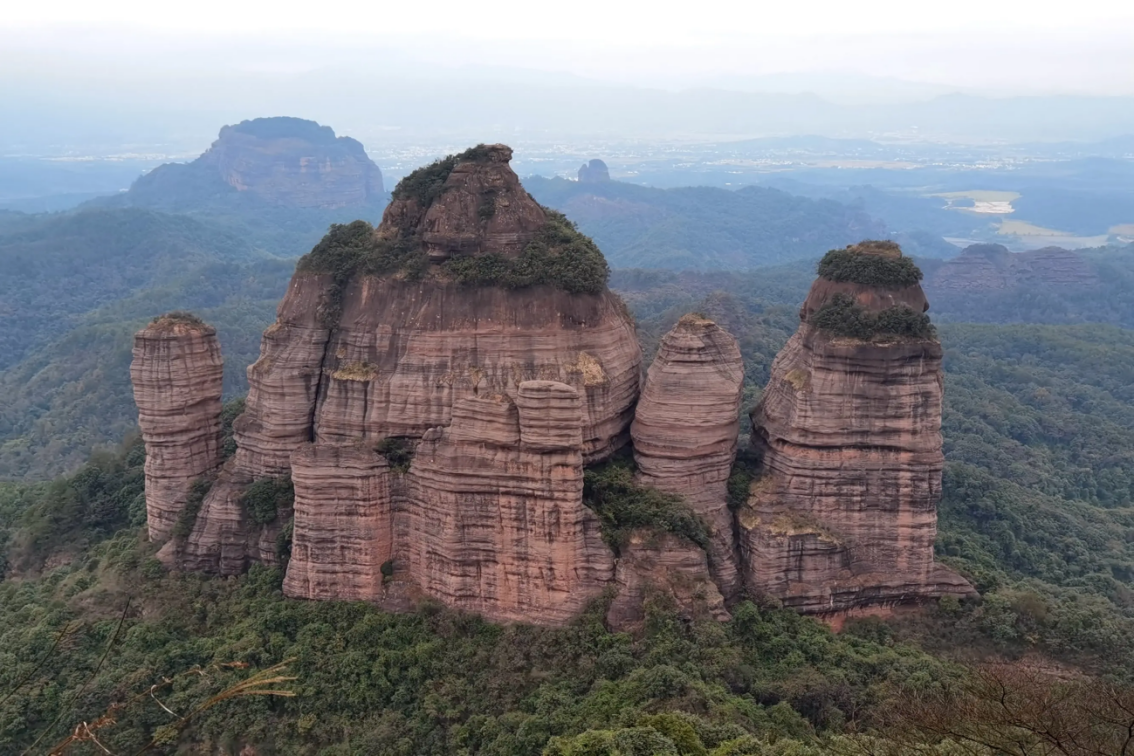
{"points": [[685, 430], [177, 375], [405, 352], [505, 391], [594, 172], [666, 565], [343, 529], [991, 267], [419, 420], [849, 429], [288, 162], [499, 527]]}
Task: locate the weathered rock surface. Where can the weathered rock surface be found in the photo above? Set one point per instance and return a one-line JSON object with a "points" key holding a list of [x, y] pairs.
{"points": [[685, 430], [844, 514], [991, 267], [501, 529], [594, 172], [177, 374], [669, 565], [405, 352], [343, 528], [528, 384]]}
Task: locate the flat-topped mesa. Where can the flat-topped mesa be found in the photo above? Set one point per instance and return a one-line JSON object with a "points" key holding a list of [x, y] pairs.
{"points": [[685, 430], [177, 374], [467, 290], [844, 514], [983, 268], [295, 163]]}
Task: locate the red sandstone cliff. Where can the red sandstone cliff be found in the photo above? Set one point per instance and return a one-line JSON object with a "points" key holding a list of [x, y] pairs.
{"points": [[433, 396], [685, 430], [177, 373], [849, 429]]}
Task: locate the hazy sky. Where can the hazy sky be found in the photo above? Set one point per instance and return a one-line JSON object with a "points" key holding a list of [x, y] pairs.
{"points": [[993, 45]]}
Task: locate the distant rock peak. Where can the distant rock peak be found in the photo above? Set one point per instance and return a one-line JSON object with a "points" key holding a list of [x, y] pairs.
{"points": [[594, 172], [991, 267]]}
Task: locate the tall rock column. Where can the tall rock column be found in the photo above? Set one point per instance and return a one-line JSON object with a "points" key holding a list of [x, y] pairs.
{"points": [[685, 429], [177, 374], [844, 514]]}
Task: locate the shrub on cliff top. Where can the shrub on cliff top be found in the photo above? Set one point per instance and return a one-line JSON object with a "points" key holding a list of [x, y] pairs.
{"points": [[842, 316], [871, 264], [426, 183], [558, 256], [623, 506]]}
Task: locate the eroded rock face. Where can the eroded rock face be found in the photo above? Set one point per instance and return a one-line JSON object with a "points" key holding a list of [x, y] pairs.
{"points": [[844, 514], [665, 564], [526, 384], [177, 374], [500, 528], [685, 430], [405, 352], [343, 531]]}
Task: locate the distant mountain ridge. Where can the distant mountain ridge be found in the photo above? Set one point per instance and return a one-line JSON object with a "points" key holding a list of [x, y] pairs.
{"points": [[282, 161], [703, 228]]}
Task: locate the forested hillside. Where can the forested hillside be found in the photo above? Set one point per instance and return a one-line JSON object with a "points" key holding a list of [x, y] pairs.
{"points": [[703, 228], [57, 267]]}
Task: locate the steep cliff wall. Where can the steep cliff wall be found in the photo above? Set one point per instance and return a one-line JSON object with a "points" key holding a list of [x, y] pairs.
{"points": [[685, 429], [496, 521], [177, 373], [849, 429]]}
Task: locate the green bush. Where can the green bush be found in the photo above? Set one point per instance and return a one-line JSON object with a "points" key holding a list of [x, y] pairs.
{"points": [[558, 256], [229, 412], [624, 506], [853, 265], [188, 516], [427, 183], [397, 451], [842, 316], [264, 499]]}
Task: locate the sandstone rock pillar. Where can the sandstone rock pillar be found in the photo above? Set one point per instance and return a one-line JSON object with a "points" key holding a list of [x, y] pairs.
{"points": [[177, 374], [685, 430]]}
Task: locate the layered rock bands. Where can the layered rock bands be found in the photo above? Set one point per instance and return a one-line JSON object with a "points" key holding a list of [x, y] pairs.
{"points": [[844, 513], [685, 430], [177, 374]]}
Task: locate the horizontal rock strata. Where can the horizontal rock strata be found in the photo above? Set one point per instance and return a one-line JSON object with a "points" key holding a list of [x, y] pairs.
{"points": [[177, 374], [844, 514], [501, 529], [685, 430], [343, 527]]}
